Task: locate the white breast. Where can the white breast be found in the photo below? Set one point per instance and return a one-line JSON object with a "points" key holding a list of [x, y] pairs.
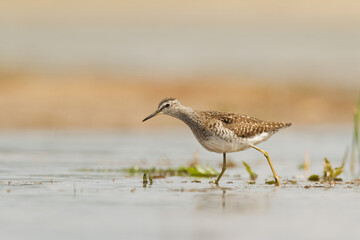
{"points": [[220, 145]]}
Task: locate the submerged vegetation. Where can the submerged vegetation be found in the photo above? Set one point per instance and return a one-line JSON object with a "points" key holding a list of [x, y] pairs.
{"points": [[193, 171]]}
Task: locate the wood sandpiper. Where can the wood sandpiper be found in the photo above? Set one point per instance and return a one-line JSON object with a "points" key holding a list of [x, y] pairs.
{"points": [[222, 132]]}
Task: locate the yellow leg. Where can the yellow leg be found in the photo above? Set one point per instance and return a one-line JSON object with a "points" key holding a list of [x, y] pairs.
{"points": [[222, 170], [277, 182]]}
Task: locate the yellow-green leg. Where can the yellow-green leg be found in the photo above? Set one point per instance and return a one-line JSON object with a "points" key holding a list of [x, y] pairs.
{"points": [[277, 182], [222, 170]]}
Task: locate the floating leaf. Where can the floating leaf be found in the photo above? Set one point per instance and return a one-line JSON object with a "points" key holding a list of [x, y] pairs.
{"points": [[194, 172], [199, 171], [291, 181], [211, 170], [314, 178], [270, 182]]}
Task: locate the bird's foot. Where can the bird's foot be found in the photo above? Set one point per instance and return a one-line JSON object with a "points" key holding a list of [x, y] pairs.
{"points": [[277, 181], [214, 182]]}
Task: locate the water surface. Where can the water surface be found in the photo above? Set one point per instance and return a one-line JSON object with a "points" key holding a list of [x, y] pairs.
{"points": [[42, 195]]}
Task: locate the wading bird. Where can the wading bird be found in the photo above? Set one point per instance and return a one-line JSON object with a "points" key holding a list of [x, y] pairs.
{"points": [[222, 132]]}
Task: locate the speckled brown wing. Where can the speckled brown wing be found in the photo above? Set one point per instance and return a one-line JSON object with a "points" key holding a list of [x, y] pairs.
{"points": [[243, 126]]}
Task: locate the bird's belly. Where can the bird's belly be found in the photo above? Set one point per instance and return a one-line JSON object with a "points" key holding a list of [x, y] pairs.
{"points": [[220, 145]]}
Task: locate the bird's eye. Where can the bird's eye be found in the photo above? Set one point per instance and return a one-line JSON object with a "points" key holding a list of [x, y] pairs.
{"points": [[167, 105]]}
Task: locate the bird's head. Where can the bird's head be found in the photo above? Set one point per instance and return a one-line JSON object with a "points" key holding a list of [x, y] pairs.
{"points": [[168, 106]]}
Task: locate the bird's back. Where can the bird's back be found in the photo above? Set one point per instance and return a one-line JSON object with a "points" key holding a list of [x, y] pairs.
{"points": [[243, 126], [230, 132]]}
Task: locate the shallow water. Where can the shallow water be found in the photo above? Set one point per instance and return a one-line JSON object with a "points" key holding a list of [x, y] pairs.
{"points": [[42, 195]]}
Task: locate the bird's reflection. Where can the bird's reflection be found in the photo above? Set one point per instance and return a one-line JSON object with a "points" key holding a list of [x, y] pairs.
{"points": [[223, 199], [230, 202]]}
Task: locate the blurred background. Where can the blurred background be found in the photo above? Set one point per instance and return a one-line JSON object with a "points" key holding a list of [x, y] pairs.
{"points": [[78, 77], [106, 64]]}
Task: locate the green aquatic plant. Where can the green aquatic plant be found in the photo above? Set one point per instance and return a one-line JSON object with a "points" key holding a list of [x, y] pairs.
{"points": [[253, 176], [199, 171], [355, 147], [270, 182], [314, 178], [329, 173], [145, 181], [150, 180], [193, 171]]}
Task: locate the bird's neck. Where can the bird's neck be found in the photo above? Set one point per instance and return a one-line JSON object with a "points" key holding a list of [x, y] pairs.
{"points": [[186, 114]]}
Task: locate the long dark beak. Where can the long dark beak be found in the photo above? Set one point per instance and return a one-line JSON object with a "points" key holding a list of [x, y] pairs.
{"points": [[152, 115]]}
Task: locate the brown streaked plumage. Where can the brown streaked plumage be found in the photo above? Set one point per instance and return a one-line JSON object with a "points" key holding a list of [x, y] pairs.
{"points": [[242, 125], [222, 132]]}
